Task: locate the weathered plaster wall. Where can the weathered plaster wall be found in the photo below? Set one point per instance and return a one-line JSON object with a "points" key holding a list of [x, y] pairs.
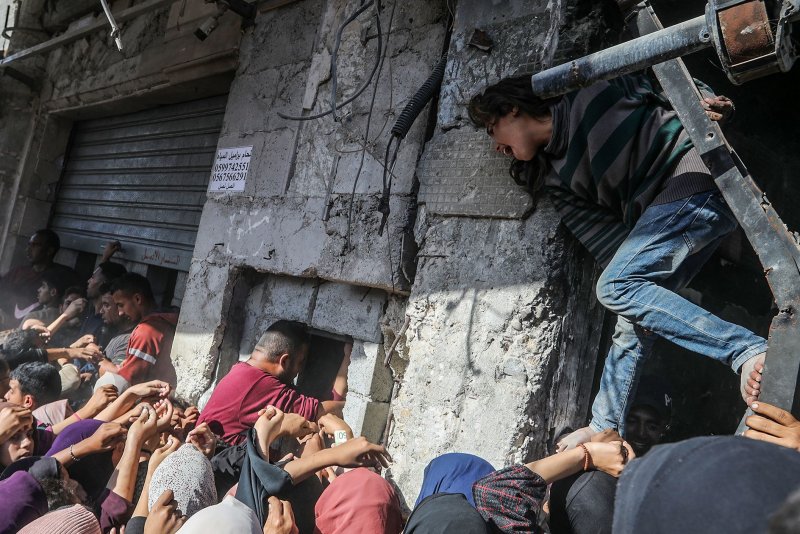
{"points": [[504, 326], [292, 219]]}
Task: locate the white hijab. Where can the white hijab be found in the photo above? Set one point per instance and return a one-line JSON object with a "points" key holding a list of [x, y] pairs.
{"points": [[228, 517]]}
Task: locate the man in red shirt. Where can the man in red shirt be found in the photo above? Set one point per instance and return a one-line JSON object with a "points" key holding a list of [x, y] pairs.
{"points": [[266, 378], [150, 343]]}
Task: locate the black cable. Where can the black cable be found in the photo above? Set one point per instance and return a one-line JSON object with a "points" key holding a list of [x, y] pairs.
{"points": [[369, 115], [358, 91], [419, 100], [338, 43], [401, 128]]}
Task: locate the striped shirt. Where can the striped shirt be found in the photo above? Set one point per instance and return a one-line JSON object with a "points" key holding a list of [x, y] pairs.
{"points": [[616, 149]]}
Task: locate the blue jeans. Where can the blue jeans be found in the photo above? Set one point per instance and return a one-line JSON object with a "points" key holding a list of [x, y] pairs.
{"points": [[666, 248]]}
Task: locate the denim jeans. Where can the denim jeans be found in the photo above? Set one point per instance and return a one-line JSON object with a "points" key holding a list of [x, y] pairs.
{"points": [[666, 248]]}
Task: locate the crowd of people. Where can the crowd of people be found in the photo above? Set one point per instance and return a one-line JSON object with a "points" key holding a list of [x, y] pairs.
{"points": [[93, 438]]}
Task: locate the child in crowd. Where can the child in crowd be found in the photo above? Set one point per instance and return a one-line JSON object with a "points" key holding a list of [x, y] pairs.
{"points": [[623, 174]]}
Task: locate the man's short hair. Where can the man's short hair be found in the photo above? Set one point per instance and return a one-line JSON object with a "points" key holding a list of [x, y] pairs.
{"points": [[50, 237], [18, 340], [39, 380], [75, 290], [57, 281], [133, 283], [283, 337], [111, 271]]}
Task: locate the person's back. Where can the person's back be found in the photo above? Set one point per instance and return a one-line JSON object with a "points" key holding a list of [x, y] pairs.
{"points": [[234, 405], [266, 378]]}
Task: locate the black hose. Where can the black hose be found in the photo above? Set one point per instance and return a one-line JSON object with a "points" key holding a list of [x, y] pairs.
{"points": [[419, 100]]}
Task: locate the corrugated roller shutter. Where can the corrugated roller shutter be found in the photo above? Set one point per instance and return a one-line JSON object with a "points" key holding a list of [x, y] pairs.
{"points": [[140, 178]]}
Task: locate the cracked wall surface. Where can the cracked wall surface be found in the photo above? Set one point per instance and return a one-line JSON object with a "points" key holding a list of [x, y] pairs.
{"points": [[504, 327], [309, 211]]}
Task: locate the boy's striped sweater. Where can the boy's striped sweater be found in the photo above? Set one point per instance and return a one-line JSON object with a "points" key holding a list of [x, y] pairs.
{"points": [[616, 149]]}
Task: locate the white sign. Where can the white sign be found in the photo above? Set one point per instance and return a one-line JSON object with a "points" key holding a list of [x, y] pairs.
{"points": [[230, 169]]}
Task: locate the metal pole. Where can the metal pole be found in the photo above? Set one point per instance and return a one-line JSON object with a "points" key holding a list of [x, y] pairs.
{"points": [[69, 37], [657, 47]]}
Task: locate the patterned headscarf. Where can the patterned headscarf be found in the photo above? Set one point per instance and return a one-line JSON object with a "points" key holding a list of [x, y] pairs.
{"points": [[188, 473]]}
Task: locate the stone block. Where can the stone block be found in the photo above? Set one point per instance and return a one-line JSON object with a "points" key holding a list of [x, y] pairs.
{"points": [[366, 417], [349, 310], [201, 326], [367, 375], [274, 298]]}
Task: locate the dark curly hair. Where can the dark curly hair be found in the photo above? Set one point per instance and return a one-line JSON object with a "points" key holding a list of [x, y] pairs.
{"points": [[503, 98]]}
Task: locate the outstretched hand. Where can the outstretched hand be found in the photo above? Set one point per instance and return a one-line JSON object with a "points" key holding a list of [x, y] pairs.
{"points": [[774, 425], [153, 388], [159, 454], [13, 418], [204, 439], [359, 452], [610, 457], [106, 437], [146, 424]]}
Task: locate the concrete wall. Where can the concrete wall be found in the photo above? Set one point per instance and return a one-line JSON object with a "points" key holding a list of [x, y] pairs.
{"points": [[291, 221], [504, 326]]}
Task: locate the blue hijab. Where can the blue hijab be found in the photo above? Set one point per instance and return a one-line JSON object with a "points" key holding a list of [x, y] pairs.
{"points": [[454, 472]]}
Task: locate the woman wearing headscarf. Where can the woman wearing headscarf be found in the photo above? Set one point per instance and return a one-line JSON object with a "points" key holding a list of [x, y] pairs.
{"points": [[708, 485], [358, 502], [75, 519], [110, 487], [453, 473], [228, 517], [188, 473], [445, 502], [444, 513], [85, 448]]}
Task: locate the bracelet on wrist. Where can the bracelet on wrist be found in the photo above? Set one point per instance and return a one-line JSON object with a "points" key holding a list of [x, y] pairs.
{"points": [[72, 455], [586, 457]]}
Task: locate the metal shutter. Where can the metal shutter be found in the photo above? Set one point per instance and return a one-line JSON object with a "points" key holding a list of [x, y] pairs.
{"points": [[140, 178]]}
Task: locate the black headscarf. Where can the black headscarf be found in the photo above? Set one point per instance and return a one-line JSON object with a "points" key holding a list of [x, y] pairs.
{"points": [[260, 480], [443, 513]]}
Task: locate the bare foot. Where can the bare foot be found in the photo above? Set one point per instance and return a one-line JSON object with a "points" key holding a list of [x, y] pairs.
{"points": [[570, 441], [751, 370], [753, 386]]}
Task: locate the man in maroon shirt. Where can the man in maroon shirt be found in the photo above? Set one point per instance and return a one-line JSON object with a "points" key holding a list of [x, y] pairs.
{"points": [[266, 378]]}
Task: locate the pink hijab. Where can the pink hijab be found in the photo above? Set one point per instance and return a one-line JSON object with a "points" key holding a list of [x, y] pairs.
{"points": [[358, 502]]}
